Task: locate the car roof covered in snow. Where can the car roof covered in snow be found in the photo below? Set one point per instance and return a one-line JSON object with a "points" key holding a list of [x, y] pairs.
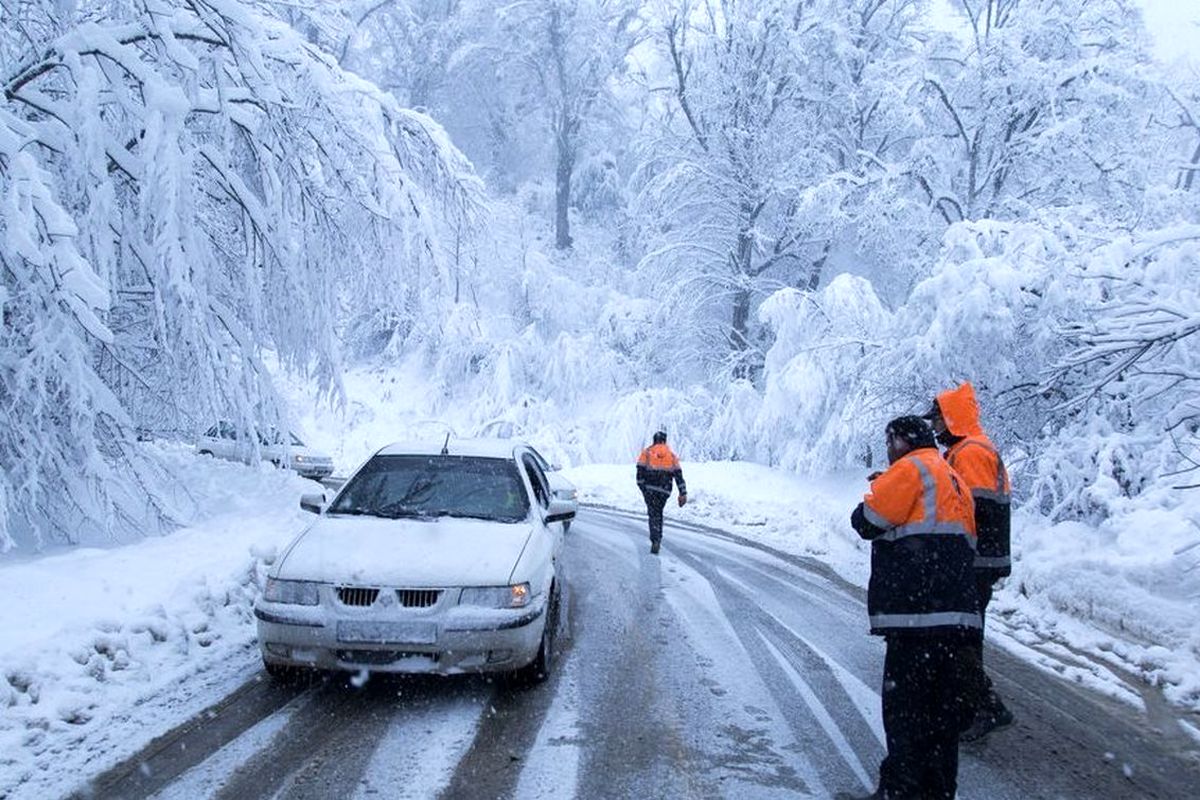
{"points": [[481, 448]]}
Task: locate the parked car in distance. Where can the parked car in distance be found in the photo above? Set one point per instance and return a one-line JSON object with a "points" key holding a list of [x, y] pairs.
{"points": [[228, 441], [435, 558], [560, 487]]}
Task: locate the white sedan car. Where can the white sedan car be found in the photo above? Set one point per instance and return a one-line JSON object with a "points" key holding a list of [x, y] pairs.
{"points": [[431, 558], [224, 440]]}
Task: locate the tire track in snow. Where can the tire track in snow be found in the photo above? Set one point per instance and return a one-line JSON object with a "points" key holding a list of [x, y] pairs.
{"points": [[187, 745], [817, 703], [329, 746]]}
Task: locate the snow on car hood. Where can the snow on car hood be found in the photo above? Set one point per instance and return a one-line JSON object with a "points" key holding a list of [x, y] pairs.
{"points": [[370, 551]]}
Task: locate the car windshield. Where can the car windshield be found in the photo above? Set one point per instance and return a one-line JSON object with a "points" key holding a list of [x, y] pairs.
{"points": [[273, 436], [436, 486]]}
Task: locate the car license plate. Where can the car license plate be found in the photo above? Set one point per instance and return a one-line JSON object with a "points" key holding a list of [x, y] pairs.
{"points": [[363, 631]]}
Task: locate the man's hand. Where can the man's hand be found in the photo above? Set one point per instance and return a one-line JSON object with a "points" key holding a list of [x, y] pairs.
{"points": [[682, 500]]}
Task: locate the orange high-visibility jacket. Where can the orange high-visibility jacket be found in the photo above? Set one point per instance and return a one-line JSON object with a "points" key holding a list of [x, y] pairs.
{"points": [[657, 467], [922, 548], [977, 460]]}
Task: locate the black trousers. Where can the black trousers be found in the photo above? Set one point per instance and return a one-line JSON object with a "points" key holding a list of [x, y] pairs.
{"points": [[990, 702], [655, 502], [930, 693]]}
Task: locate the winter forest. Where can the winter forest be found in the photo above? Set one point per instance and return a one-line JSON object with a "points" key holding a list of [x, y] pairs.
{"points": [[768, 226]]}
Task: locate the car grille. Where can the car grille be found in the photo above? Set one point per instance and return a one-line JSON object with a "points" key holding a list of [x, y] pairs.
{"points": [[356, 595], [418, 598]]}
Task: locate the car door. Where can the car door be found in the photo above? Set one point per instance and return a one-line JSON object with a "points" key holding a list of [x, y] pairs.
{"points": [[225, 445], [541, 496]]}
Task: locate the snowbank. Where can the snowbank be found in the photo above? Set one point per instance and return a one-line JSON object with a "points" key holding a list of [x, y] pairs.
{"points": [[101, 649], [805, 516]]}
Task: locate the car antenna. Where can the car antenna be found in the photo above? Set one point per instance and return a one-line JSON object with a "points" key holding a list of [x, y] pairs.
{"points": [[446, 445]]}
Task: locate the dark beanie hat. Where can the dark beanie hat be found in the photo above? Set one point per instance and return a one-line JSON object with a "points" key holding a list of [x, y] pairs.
{"points": [[912, 429]]}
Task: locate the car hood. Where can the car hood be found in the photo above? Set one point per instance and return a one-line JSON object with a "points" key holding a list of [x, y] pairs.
{"points": [[371, 551]]}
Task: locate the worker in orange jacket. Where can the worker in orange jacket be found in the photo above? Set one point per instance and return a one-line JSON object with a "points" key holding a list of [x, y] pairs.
{"points": [[920, 520], [955, 420], [657, 469]]}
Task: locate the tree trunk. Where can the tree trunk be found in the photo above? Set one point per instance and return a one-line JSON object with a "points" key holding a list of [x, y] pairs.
{"points": [[562, 193], [818, 269], [739, 334]]}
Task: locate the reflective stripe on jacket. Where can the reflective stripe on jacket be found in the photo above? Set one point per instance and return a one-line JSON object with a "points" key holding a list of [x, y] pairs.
{"points": [[923, 549], [977, 460], [657, 467]]}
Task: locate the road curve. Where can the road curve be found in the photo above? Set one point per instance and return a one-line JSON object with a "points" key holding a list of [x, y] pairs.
{"points": [[718, 668]]}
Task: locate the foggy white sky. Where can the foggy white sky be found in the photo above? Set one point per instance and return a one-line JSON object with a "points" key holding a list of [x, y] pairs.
{"points": [[1174, 26]]}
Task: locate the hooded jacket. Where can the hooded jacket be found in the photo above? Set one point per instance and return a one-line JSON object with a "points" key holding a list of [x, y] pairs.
{"points": [[974, 457]]}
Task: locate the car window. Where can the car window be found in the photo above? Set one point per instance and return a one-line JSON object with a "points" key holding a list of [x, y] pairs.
{"points": [[228, 431], [436, 486], [542, 463], [296, 441], [211, 432], [541, 489]]}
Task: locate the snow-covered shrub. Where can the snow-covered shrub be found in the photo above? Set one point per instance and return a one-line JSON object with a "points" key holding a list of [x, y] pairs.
{"points": [[816, 411]]}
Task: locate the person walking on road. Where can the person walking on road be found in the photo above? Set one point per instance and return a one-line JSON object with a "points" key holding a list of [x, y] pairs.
{"points": [[921, 598], [657, 468], [969, 451]]}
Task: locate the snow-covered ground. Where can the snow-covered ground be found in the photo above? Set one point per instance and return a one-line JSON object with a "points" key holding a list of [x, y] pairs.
{"points": [[103, 648]]}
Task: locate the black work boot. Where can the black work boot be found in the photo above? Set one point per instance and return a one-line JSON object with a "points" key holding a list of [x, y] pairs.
{"points": [[986, 721], [654, 548]]}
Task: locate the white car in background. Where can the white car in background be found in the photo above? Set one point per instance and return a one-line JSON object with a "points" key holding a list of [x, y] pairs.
{"points": [[436, 558], [225, 440]]}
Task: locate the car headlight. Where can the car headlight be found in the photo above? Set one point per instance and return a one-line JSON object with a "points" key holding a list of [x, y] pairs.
{"points": [[297, 593], [299, 459], [517, 596]]}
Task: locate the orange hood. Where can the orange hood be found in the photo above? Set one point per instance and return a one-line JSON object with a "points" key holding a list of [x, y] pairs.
{"points": [[960, 411]]}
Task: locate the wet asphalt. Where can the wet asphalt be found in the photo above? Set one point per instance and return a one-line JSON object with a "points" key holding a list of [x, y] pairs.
{"points": [[717, 669]]}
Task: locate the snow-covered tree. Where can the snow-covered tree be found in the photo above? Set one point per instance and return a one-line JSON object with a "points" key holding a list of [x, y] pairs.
{"points": [[776, 148], [189, 185], [1038, 103]]}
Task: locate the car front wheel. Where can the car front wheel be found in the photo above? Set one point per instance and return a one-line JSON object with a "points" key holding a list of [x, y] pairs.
{"points": [[539, 669]]}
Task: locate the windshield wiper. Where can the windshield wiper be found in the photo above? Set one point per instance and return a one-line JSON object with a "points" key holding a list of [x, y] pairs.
{"points": [[445, 512], [400, 510], [354, 511]]}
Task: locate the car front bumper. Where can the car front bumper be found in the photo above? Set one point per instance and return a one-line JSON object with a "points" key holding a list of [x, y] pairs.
{"points": [[466, 641], [314, 471]]}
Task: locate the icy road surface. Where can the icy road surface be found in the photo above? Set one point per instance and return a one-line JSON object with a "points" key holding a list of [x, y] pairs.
{"points": [[716, 669]]}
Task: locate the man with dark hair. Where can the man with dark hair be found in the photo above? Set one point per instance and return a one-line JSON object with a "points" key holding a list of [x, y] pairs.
{"points": [[920, 521], [657, 468], [969, 451]]}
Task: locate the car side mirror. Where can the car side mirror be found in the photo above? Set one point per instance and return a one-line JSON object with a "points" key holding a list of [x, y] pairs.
{"points": [[560, 511], [313, 503]]}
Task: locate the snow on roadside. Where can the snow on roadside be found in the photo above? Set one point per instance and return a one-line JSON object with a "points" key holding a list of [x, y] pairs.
{"points": [[1086, 603], [805, 516], [102, 649]]}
